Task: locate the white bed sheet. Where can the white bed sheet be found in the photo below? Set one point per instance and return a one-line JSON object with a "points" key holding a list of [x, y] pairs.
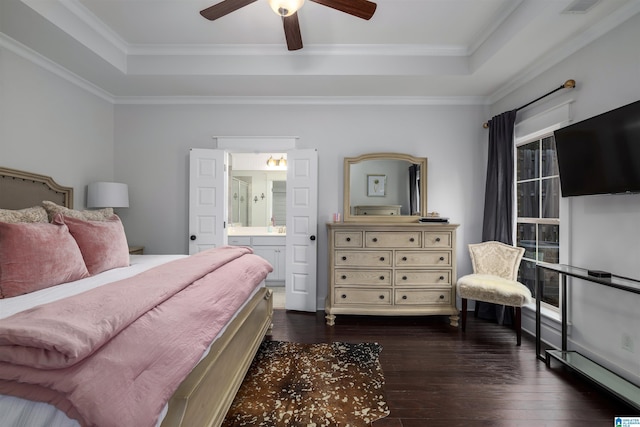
{"points": [[17, 412], [138, 264]]}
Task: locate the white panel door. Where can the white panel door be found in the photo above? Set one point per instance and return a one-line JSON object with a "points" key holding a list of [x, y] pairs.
{"points": [[207, 207], [302, 230]]}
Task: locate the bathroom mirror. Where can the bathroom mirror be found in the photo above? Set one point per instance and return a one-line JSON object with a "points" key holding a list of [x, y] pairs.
{"points": [[390, 187], [257, 198]]}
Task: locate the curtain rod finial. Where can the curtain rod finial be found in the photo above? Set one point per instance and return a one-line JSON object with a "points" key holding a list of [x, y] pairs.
{"points": [[570, 84]]}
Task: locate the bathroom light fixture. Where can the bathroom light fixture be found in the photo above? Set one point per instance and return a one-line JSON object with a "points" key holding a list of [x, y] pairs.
{"points": [[285, 7], [272, 162], [282, 162]]}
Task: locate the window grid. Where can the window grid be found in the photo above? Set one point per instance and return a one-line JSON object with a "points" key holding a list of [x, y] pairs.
{"points": [[538, 229]]}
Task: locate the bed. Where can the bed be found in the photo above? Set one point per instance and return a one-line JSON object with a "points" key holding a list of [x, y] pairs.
{"points": [[204, 395]]}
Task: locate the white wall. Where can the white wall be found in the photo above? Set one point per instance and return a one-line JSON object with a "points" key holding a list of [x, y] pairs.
{"points": [[52, 127], [152, 144], [604, 230]]}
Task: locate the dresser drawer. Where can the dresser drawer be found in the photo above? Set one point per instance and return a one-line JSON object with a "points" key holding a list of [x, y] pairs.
{"points": [[391, 239], [434, 239], [378, 210], [347, 239], [423, 259], [363, 258], [353, 296], [363, 277], [423, 277], [422, 297]]}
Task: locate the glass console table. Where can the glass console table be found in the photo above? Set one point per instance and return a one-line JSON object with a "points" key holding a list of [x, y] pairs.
{"points": [[616, 385]]}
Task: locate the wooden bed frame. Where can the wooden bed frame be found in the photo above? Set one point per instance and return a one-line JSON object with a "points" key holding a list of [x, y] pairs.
{"points": [[204, 397]]}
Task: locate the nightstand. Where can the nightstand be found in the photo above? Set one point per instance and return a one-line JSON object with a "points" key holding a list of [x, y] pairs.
{"points": [[136, 250]]}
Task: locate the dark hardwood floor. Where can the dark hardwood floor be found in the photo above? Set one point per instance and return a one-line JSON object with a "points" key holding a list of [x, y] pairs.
{"points": [[438, 376]]}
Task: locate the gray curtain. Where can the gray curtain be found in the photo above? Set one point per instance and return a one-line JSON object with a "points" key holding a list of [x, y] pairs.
{"points": [[498, 198], [498, 201]]}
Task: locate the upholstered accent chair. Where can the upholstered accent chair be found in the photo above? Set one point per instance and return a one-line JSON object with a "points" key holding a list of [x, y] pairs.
{"points": [[494, 280]]}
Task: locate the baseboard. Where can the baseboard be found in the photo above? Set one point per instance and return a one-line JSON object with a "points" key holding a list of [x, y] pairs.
{"points": [[550, 326]]}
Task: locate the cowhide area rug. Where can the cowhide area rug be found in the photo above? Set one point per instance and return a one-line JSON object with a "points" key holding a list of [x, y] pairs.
{"points": [[311, 385]]}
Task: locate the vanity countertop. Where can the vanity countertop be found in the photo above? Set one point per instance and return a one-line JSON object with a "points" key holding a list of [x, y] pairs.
{"points": [[256, 231]]}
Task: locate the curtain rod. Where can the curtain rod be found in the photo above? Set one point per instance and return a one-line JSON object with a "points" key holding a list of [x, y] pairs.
{"points": [[569, 84]]}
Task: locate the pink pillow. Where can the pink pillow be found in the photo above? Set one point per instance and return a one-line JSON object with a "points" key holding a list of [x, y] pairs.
{"points": [[35, 256], [103, 243]]}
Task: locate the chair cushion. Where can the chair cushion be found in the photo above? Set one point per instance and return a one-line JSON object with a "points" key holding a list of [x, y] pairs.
{"points": [[494, 289]]}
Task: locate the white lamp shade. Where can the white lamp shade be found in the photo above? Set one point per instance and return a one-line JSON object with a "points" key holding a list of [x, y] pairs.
{"points": [[107, 195]]}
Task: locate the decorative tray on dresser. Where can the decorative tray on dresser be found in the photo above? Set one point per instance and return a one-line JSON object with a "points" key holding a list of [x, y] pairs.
{"points": [[392, 269]]}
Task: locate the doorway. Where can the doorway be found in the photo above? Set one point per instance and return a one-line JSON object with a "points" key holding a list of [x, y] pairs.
{"points": [[257, 208], [295, 254]]}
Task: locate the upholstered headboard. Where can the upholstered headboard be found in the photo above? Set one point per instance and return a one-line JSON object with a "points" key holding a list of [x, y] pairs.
{"points": [[19, 189]]}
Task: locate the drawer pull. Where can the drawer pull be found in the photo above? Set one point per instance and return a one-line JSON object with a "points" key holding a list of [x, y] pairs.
{"points": [[437, 239], [344, 277], [404, 297], [404, 258], [381, 297], [343, 296], [404, 277], [412, 240], [381, 277], [375, 239], [348, 239], [441, 277], [441, 296], [441, 258], [344, 258], [381, 258]]}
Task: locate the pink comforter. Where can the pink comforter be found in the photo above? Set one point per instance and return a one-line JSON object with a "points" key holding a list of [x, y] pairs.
{"points": [[114, 355]]}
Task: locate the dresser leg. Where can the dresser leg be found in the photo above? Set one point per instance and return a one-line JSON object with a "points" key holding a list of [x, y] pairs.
{"points": [[453, 320], [331, 319]]}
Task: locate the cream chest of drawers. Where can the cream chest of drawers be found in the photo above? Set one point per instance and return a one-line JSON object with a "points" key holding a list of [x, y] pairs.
{"points": [[392, 269]]}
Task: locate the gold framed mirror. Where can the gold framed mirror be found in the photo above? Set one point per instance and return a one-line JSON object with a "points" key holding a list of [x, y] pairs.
{"points": [[388, 187]]}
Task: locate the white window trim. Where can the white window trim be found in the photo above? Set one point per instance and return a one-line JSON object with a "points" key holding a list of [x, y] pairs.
{"points": [[537, 136], [528, 129]]}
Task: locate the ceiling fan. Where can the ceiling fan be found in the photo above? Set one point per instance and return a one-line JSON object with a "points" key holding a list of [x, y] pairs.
{"points": [[288, 9]]}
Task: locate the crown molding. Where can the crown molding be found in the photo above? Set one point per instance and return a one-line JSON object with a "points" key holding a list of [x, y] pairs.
{"points": [[481, 38], [81, 24], [109, 36], [47, 64], [309, 50], [300, 100], [564, 51]]}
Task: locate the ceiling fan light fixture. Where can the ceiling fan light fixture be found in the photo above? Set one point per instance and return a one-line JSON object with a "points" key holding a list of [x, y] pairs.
{"points": [[285, 8]]}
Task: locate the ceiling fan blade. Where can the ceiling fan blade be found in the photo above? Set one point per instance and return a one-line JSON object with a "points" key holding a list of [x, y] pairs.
{"points": [[361, 8], [292, 32], [224, 7]]}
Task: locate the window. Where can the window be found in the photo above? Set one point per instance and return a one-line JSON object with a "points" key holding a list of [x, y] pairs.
{"points": [[538, 213]]}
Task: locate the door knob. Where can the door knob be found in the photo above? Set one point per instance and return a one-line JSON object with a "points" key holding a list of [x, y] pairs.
{"points": [[193, 237], [312, 237]]}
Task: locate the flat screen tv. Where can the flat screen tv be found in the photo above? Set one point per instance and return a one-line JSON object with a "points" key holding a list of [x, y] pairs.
{"points": [[601, 155]]}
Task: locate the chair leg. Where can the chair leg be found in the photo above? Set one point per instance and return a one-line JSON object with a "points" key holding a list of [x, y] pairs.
{"points": [[464, 314], [476, 309], [518, 325]]}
